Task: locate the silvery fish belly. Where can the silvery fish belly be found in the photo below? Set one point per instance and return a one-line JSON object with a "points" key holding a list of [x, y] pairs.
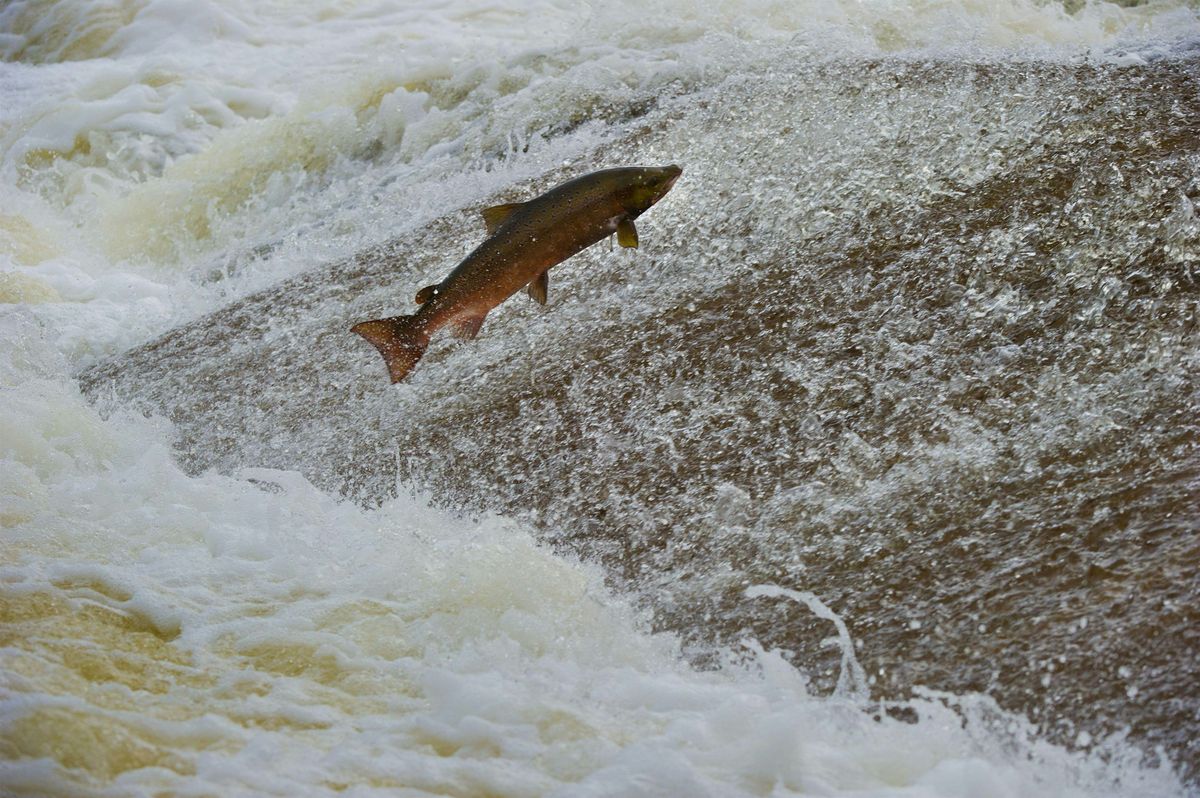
{"points": [[828, 424]]}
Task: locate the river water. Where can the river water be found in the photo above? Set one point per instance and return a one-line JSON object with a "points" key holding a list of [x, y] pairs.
{"points": [[873, 470]]}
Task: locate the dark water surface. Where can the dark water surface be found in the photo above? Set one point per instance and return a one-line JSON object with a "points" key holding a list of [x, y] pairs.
{"points": [[918, 338]]}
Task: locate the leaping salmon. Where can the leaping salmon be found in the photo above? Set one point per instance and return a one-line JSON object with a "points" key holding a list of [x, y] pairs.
{"points": [[525, 239]]}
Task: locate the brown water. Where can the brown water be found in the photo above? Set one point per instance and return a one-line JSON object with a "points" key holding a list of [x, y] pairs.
{"points": [[918, 338]]}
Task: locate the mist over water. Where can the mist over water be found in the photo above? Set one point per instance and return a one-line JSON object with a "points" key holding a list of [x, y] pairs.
{"points": [[872, 470]]}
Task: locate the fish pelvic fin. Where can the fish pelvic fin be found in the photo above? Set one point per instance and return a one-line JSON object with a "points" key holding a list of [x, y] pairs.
{"points": [[538, 287], [399, 339]]}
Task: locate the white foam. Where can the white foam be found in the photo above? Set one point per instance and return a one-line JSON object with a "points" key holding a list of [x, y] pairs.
{"points": [[268, 639]]}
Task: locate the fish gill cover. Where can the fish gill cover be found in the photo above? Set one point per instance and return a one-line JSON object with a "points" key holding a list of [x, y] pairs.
{"points": [[872, 471]]}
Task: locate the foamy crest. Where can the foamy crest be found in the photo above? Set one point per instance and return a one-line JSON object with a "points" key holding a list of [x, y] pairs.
{"points": [[160, 133], [184, 77]]}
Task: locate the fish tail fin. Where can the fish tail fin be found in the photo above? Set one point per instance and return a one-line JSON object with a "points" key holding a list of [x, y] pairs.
{"points": [[399, 339]]}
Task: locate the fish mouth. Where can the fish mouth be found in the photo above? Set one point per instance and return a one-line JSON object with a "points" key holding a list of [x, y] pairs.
{"points": [[673, 173]]}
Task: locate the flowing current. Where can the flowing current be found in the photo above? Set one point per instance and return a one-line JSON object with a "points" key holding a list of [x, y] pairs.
{"points": [[873, 471]]}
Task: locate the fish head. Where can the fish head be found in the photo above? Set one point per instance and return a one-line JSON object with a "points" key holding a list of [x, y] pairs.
{"points": [[646, 186]]}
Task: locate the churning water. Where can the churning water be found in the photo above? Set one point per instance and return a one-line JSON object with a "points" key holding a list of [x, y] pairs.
{"points": [[873, 471]]}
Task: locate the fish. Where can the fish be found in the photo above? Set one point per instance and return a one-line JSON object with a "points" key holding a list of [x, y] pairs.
{"points": [[525, 239]]}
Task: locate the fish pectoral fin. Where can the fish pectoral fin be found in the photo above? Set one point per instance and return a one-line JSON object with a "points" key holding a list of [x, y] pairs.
{"points": [[466, 327], [627, 233], [538, 286], [427, 293], [497, 215]]}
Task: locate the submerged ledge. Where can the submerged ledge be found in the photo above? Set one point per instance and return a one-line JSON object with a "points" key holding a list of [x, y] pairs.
{"points": [[916, 338]]}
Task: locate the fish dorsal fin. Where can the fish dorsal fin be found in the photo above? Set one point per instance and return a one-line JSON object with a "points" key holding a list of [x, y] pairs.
{"points": [[627, 233], [538, 286], [427, 293], [497, 215]]}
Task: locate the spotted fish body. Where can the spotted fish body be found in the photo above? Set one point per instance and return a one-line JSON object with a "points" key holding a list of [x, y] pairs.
{"points": [[526, 239]]}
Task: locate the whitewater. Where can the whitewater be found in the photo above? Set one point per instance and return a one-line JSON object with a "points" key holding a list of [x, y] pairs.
{"points": [[205, 590]]}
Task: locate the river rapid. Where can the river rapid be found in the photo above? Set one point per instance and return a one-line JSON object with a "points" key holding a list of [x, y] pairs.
{"points": [[873, 470]]}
